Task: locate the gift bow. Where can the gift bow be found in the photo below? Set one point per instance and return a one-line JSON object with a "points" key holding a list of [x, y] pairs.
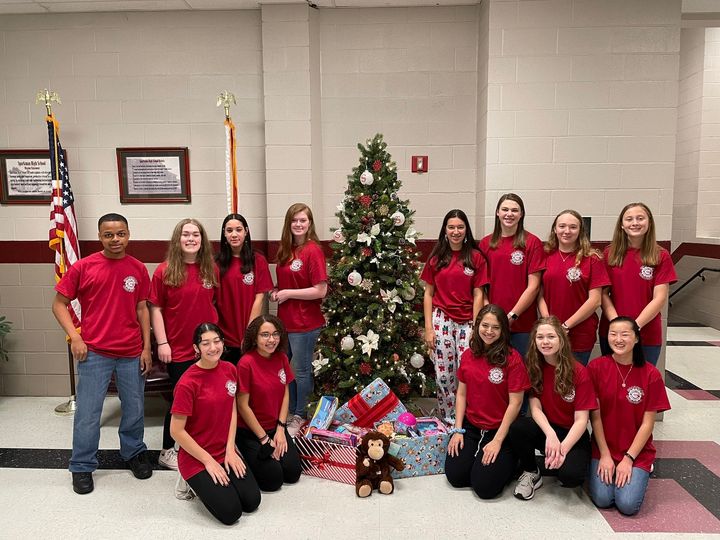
{"points": [[320, 462]]}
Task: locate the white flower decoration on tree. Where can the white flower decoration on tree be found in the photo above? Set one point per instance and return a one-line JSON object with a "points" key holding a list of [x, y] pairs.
{"points": [[368, 238], [411, 235], [391, 298], [369, 342], [319, 363]]}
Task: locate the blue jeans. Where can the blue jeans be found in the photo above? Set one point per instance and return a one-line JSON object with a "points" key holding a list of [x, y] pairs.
{"points": [[627, 499], [302, 347], [94, 377], [651, 352], [582, 356]]}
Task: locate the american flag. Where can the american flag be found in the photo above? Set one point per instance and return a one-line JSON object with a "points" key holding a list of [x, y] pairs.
{"points": [[63, 226]]}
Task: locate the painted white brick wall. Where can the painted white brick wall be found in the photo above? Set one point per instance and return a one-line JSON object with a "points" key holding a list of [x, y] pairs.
{"points": [[708, 210]]}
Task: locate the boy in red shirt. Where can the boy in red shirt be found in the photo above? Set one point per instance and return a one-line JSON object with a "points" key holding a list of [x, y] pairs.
{"points": [[112, 288]]}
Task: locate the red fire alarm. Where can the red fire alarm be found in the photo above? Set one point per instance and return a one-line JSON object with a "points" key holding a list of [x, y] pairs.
{"points": [[419, 164]]}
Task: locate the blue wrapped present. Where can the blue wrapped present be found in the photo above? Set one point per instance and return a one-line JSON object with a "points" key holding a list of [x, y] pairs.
{"points": [[374, 403]]}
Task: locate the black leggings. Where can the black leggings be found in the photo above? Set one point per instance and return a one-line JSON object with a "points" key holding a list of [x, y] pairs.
{"points": [[466, 469], [175, 371], [525, 436], [227, 503], [270, 473]]}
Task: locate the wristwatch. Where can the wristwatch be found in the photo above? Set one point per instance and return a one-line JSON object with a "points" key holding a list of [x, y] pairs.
{"points": [[513, 316]]}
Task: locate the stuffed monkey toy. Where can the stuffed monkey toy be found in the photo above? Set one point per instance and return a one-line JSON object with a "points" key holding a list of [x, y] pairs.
{"points": [[373, 465]]}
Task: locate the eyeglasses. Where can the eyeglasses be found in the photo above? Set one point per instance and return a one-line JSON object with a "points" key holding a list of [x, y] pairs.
{"points": [[268, 335]]}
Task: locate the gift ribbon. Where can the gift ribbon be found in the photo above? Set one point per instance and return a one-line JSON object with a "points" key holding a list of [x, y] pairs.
{"points": [[320, 462], [365, 415]]}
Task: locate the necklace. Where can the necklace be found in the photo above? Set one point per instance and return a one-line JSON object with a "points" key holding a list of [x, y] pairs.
{"points": [[620, 373], [566, 257]]}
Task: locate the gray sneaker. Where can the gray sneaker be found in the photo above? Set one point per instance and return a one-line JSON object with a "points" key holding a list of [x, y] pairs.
{"points": [[527, 484], [182, 490]]}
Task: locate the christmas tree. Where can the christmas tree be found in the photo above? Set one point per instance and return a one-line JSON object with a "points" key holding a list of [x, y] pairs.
{"points": [[374, 301]]}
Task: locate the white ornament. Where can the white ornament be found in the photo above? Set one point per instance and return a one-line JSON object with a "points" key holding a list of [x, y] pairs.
{"points": [[347, 343], [354, 278], [398, 218], [408, 294], [339, 237], [369, 342], [411, 235], [366, 178], [417, 360]]}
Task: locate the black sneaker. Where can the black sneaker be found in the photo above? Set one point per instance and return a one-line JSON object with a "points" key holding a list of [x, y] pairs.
{"points": [[140, 465], [82, 482]]}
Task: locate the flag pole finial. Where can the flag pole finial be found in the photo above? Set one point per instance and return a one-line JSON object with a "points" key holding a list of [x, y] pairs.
{"points": [[225, 99], [47, 97]]}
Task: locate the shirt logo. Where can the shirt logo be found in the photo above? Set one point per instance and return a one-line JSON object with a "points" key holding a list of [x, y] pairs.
{"points": [[129, 283], [646, 272], [469, 271], [635, 395], [570, 396], [573, 274], [296, 265], [231, 387], [517, 257], [496, 375], [282, 376], [249, 278], [207, 284]]}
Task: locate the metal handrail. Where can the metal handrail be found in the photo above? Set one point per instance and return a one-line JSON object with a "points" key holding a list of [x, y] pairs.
{"points": [[697, 274]]}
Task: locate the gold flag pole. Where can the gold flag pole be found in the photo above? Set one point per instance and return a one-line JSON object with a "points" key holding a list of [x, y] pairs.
{"points": [[225, 99], [47, 97]]}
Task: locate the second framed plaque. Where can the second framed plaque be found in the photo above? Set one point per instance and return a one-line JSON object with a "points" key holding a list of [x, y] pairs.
{"points": [[154, 175]]}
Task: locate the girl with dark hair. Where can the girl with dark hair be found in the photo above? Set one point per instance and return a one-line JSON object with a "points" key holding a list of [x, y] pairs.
{"points": [[561, 396], [491, 382], [454, 277], [264, 375], [641, 273], [204, 420], [630, 393], [301, 286], [515, 263], [182, 295], [572, 282], [244, 280]]}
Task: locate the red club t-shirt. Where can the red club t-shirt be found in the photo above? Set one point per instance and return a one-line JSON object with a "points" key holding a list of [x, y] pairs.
{"points": [[454, 284], [489, 387], [183, 308], [236, 295], [566, 287], [265, 380], [305, 269], [109, 291], [207, 398], [560, 410], [509, 269], [631, 289], [622, 409]]}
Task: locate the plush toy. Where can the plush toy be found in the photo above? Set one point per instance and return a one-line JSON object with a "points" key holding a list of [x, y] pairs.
{"points": [[373, 465]]}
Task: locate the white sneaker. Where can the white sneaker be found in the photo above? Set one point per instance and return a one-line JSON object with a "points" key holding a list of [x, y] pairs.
{"points": [[183, 491], [168, 459], [527, 484], [294, 425]]}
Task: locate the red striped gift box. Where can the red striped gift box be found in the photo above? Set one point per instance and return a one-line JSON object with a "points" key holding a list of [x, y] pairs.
{"points": [[327, 460]]}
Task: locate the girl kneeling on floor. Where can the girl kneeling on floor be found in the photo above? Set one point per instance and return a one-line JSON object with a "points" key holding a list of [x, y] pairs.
{"points": [[264, 374], [630, 392], [491, 381], [204, 419], [562, 394]]}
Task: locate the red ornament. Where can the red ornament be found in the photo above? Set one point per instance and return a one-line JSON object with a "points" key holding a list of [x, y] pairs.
{"points": [[395, 357], [366, 251], [365, 368], [365, 200], [377, 165], [404, 389]]}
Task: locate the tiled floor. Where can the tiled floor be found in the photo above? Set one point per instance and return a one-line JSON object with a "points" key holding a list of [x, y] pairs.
{"points": [[36, 499]]}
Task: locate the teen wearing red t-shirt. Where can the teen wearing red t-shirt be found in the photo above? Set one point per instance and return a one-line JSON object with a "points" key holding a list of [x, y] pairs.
{"points": [[264, 376], [562, 394], [630, 392], [454, 277], [572, 282], [491, 381], [641, 273], [204, 421], [182, 296], [112, 288], [301, 286], [244, 280], [515, 261]]}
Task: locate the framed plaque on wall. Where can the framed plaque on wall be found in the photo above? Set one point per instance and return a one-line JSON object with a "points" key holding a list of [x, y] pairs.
{"points": [[154, 175], [25, 176]]}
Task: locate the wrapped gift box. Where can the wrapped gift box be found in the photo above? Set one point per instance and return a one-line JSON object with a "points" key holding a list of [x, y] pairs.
{"points": [[326, 460], [422, 455], [374, 403]]}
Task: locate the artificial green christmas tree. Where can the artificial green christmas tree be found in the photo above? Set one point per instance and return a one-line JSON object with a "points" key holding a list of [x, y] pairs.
{"points": [[374, 301]]}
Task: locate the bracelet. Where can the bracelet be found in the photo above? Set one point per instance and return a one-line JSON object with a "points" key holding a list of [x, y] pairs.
{"points": [[627, 454], [163, 343], [455, 430], [283, 424], [266, 436], [565, 327]]}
